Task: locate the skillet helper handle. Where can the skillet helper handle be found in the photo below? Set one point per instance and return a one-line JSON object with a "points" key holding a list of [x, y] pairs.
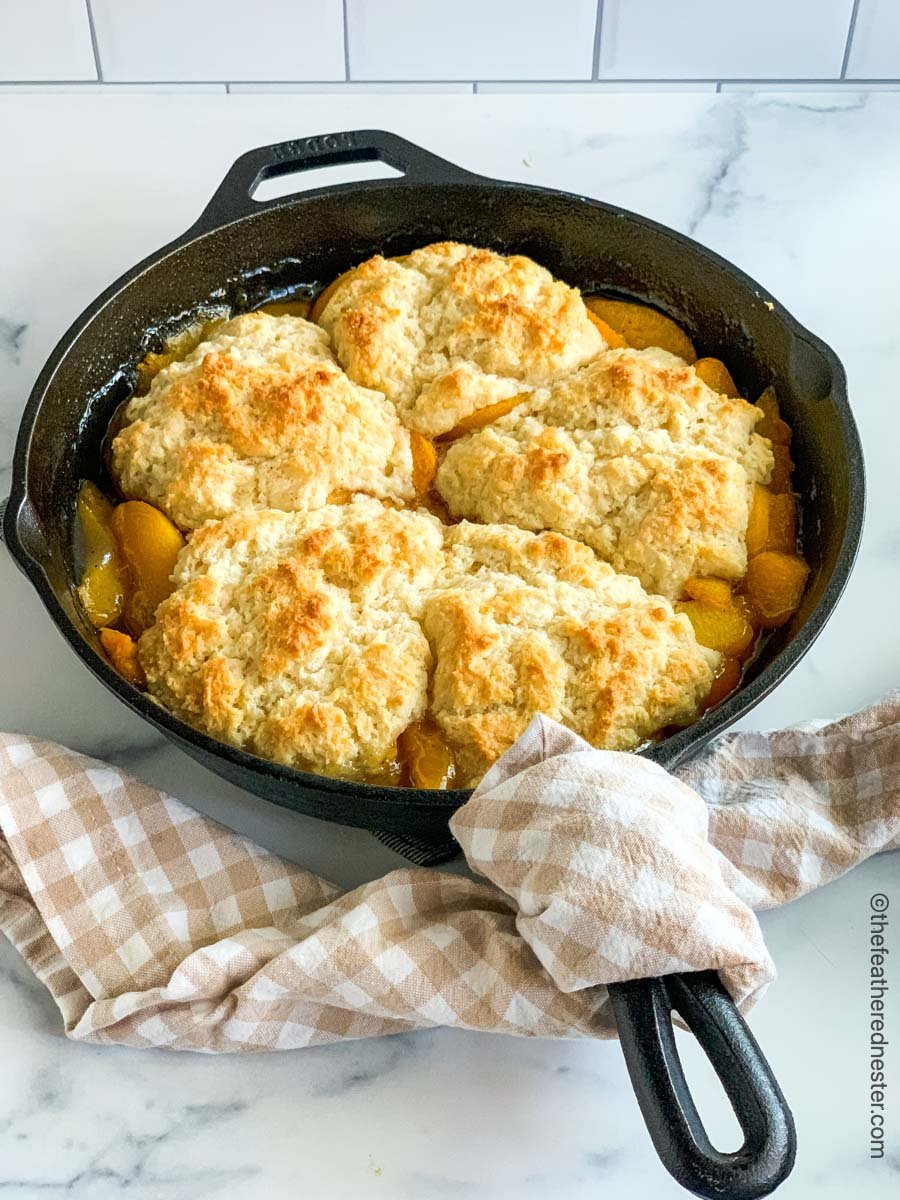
{"points": [[643, 1011], [234, 196]]}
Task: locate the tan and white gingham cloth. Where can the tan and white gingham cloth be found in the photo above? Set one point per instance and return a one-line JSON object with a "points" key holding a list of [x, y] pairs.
{"points": [[154, 926]]}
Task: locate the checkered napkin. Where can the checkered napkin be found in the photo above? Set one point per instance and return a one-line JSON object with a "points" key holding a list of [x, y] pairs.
{"points": [[154, 926]]}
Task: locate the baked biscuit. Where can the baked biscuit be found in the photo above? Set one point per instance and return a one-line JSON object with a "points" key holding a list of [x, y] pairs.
{"points": [[293, 634], [633, 455], [535, 623], [451, 329], [310, 639], [259, 416]]}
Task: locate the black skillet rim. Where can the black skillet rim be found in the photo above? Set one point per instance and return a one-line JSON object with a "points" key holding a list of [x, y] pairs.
{"points": [[668, 753]]}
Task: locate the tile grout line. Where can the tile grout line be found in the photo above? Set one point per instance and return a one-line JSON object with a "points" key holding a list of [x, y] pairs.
{"points": [[94, 44], [595, 60], [767, 80], [346, 43], [108, 85], [111, 84], [851, 29], [524, 82], [829, 81]]}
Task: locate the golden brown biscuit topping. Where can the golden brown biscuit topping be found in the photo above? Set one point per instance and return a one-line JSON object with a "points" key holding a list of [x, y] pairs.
{"points": [[259, 416], [634, 455], [310, 638], [323, 618], [453, 329]]}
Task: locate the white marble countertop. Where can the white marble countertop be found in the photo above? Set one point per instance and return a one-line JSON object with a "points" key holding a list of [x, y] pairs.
{"points": [[803, 192]]}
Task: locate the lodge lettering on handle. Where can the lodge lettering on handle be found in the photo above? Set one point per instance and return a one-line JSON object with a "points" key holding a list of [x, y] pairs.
{"points": [[307, 147]]}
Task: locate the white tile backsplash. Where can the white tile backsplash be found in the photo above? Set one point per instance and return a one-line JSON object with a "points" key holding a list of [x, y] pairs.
{"points": [[848, 87], [385, 47], [220, 39], [352, 89], [45, 39], [471, 39], [875, 53], [119, 89], [590, 87], [720, 39]]}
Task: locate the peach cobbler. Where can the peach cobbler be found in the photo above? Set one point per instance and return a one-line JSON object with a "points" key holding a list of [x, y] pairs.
{"points": [[372, 535]]}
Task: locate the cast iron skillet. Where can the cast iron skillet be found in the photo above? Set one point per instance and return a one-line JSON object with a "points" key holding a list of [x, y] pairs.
{"points": [[240, 253]]}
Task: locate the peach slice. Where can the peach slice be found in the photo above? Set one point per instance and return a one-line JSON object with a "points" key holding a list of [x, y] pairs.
{"points": [[642, 326], [102, 587], [426, 755], [149, 543], [774, 585], [716, 375], [771, 426], [485, 416], [783, 470], [782, 531], [614, 341], [716, 592], [758, 521], [424, 462], [724, 629], [121, 650], [727, 679], [779, 434]]}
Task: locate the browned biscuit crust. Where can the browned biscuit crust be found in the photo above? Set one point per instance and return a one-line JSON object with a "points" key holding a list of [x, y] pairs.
{"points": [[451, 329], [315, 639], [633, 455], [259, 416]]}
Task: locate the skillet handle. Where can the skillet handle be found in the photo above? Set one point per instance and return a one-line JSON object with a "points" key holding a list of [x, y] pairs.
{"points": [[643, 1011], [233, 197]]}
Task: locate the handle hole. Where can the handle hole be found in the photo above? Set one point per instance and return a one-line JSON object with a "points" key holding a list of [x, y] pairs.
{"points": [[288, 184], [719, 1121]]}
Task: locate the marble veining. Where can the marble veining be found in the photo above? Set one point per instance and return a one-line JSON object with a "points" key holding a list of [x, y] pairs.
{"points": [[802, 192], [125, 1161], [715, 191], [11, 335]]}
